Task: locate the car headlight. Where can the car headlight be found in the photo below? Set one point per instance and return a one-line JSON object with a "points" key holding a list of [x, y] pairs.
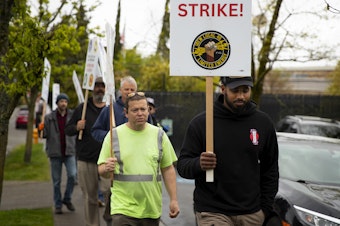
{"points": [[316, 219]]}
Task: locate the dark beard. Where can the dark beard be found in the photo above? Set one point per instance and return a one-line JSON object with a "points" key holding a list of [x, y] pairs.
{"points": [[234, 109], [98, 97]]}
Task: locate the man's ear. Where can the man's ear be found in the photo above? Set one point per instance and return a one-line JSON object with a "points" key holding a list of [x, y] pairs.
{"points": [[125, 112], [223, 87]]}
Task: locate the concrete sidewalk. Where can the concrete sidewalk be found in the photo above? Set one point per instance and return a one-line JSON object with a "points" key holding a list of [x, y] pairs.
{"points": [[34, 195], [26, 195]]}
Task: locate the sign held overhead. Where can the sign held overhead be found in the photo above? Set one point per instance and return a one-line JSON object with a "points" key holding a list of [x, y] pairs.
{"points": [[218, 42]]}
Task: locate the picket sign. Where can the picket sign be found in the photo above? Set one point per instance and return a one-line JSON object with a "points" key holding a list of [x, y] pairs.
{"points": [[92, 71], [77, 87], [55, 93], [218, 43], [45, 89], [110, 82]]}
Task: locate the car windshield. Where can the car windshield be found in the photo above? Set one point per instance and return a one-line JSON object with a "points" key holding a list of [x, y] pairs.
{"points": [[325, 130], [311, 161]]}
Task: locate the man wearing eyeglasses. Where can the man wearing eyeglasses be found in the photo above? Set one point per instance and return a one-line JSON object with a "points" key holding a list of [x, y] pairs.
{"points": [[142, 155]]}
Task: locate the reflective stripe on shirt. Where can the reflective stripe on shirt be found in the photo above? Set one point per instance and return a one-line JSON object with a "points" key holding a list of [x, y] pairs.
{"points": [[135, 178]]}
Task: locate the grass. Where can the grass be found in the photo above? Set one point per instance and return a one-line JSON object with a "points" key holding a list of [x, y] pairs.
{"points": [[37, 170], [27, 217]]}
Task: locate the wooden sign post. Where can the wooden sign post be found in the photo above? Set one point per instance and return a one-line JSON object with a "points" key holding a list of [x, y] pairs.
{"points": [[83, 113], [209, 101], [91, 72]]}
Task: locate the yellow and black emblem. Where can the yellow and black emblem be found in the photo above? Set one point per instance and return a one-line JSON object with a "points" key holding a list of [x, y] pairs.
{"points": [[210, 50]]}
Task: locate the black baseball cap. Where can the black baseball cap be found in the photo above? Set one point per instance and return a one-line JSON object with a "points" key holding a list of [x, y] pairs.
{"points": [[233, 82], [99, 80]]}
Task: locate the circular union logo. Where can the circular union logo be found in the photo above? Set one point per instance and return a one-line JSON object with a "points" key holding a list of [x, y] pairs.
{"points": [[210, 50]]}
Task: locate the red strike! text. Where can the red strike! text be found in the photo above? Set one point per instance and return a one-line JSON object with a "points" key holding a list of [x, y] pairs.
{"points": [[210, 10]]}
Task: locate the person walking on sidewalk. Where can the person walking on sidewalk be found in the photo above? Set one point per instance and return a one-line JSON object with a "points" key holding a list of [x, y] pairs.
{"points": [[152, 112], [60, 149], [88, 151], [244, 160], [102, 126], [143, 154]]}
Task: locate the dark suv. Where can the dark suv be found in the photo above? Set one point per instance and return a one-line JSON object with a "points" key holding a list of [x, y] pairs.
{"points": [[309, 125]]}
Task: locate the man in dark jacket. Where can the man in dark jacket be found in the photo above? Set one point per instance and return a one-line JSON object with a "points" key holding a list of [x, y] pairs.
{"points": [[88, 150], [60, 149], [244, 160], [152, 114], [102, 125]]}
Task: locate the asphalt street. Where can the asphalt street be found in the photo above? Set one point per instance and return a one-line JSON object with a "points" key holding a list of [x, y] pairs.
{"points": [[15, 136]]}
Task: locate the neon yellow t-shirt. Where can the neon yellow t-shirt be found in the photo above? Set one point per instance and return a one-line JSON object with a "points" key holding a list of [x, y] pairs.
{"points": [[139, 156]]}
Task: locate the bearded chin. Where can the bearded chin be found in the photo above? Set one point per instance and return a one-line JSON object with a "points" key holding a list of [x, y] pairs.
{"points": [[98, 97], [234, 109]]}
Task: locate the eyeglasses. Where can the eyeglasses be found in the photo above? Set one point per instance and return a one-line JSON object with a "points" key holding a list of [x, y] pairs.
{"points": [[136, 93]]}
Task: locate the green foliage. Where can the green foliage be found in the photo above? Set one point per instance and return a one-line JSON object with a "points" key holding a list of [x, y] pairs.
{"points": [[66, 58], [64, 42], [162, 49], [155, 77], [37, 170], [24, 58], [152, 74], [27, 217], [128, 64], [33, 39], [117, 45], [335, 78]]}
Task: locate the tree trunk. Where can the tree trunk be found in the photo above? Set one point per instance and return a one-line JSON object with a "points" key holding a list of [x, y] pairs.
{"points": [[6, 109], [3, 147], [162, 49], [7, 106], [5, 17], [118, 45], [264, 62], [30, 125]]}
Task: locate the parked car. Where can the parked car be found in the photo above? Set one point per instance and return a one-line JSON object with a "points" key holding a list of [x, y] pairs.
{"points": [[309, 125], [22, 118], [309, 184]]}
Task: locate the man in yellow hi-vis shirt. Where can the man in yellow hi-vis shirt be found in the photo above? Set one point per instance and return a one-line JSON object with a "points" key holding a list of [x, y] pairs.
{"points": [[142, 155]]}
